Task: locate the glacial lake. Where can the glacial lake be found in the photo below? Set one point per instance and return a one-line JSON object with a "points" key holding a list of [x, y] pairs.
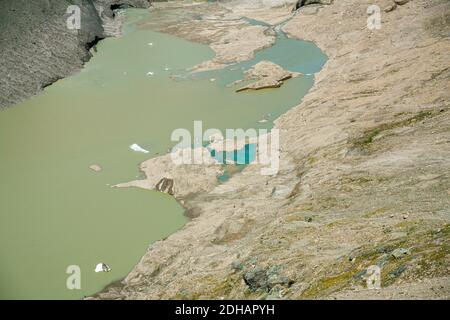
{"points": [[55, 212]]}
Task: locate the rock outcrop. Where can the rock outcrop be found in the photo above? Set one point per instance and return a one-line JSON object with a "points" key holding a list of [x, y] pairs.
{"points": [[266, 74], [165, 185], [37, 48], [302, 3]]}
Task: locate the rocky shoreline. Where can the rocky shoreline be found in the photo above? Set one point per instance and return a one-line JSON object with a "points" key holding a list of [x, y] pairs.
{"points": [[37, 48], [364, 175]]}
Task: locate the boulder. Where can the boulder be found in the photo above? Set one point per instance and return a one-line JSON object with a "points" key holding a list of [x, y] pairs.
{"points": [[265, 279], [302, 3], [266, 75]]}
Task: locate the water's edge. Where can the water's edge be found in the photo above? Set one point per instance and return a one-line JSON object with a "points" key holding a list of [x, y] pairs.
{"points": [[186, 203]]}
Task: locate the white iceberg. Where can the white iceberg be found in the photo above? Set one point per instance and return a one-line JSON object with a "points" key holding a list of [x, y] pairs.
{"points": [[138, 148], [150, 73], [102, 267]]}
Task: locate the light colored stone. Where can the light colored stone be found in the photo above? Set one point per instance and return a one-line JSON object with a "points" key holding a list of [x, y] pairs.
{"points": [[390, 7], [95, 167]]}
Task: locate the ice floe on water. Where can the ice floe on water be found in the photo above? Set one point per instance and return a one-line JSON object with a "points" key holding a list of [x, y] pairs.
{"points": [[102, 267], [150, 73], [138, 148]]}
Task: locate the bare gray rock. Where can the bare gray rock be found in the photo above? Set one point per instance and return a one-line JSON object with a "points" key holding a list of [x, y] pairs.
{"points": [[38, 49]]}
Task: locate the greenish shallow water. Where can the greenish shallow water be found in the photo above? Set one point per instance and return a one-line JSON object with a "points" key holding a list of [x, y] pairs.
{"points": [[55, 212]]}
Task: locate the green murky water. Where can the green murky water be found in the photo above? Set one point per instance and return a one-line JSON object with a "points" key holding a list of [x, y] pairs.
{"points": [[55, 212]]}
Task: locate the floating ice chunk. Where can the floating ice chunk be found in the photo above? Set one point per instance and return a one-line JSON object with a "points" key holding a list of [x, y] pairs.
{"points": [[150, 73], [138, 148], [102, 267]]}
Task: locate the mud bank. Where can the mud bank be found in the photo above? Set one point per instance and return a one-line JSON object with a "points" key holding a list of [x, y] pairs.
{"points": [[364, 174], [37, 48]]}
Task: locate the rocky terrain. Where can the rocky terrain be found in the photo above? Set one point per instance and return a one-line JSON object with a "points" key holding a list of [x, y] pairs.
{"points": [[37, 48], [266, 74], [364, 176]]}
